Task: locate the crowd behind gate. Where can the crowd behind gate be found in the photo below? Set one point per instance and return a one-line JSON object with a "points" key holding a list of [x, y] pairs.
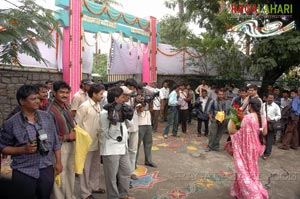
{"points": [[40, 134]]}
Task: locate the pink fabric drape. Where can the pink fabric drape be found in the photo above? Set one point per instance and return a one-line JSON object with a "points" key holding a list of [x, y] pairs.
{"points": [[146, 64], [246, 151]]}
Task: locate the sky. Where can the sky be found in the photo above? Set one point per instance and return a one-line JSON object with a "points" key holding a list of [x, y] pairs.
{"points": [[145, 8]]}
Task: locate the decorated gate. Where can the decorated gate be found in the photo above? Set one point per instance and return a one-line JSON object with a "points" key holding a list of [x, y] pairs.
{"points": [[78, 16]]}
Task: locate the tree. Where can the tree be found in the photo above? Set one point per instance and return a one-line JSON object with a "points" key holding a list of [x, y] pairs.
{"points": [[100, 65], [174, 31], [20, 29], [269, 57], [274, 56]]}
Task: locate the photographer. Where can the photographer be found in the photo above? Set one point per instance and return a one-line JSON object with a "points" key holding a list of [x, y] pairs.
{"points": [[133, 128], [31, 139], [114, 144], [144, 120]]}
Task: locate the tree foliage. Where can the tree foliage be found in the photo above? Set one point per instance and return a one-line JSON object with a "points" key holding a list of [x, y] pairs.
{"points": [[100, 65], [21, 27], [269, 58], [175, 32], [274, 56]]}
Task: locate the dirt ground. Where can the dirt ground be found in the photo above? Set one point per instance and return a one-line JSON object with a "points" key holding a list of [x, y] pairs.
{"points": [[186, 171]]}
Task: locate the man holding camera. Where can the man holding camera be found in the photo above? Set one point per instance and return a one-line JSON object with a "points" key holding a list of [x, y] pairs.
{"points": [[133, 128], [31, 139], [65, 127], [114, 145], [145, 128]]}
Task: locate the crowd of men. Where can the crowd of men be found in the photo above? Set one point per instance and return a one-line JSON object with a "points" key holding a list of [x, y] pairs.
{"points": [[40, 137]]}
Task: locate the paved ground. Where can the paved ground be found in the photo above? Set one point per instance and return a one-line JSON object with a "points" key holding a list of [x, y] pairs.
{"points": [[186, 171]]}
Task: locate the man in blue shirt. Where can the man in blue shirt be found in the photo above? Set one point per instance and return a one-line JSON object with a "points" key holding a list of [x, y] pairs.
{"points": [[290, 138], [31, 139], [172, 112]]}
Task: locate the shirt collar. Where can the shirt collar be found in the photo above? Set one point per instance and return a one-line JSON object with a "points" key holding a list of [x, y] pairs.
{"points": [[25, 120], [82, 92], [94, 104], [59, 105]]}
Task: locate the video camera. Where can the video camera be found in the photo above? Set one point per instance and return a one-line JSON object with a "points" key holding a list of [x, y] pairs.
{"points": [[147, 96]]}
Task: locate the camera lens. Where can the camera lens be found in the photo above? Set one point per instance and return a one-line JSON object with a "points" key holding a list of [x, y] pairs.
{"points": [[119, 139], [42, 149]]}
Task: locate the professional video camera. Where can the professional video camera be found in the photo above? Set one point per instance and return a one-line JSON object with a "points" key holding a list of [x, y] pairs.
{"points": [[118, 112], [147, 96]]}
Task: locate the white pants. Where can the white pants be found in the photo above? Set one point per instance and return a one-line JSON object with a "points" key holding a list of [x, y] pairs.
{"points": [[90, 178], [67, 176], [133, 141]]}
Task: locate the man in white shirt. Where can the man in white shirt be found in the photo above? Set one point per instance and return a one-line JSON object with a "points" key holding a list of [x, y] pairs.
{"points": [[183, 110], [145, 130], [203, 85], [133, 128], [285, 100], [273, 113], [155, 110], [164, 97], [81, 95], [87, 117]]}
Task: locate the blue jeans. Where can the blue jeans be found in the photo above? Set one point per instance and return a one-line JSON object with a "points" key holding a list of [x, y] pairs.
{"points": [[172, 118]]}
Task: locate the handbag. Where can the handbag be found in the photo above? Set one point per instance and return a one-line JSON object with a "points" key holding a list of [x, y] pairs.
{"points": [[276, 125], [228, 147], [262, 139]]}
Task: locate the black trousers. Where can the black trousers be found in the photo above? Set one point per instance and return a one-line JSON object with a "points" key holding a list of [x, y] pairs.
{"points": [[40, 188], [199, 127], [269, 144], [183, 116]]}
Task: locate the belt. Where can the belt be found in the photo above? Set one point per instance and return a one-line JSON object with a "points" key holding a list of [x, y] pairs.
{"points": [[68, 140]]}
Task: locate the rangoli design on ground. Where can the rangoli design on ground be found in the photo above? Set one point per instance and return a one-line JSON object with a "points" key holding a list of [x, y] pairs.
{"points": [[147, 181]]}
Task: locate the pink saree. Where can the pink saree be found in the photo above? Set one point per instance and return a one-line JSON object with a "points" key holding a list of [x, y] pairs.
{"points": [[246, 151]]}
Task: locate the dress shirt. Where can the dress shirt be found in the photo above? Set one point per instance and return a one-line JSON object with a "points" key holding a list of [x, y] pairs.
{"points": [[173, 99], [78, 98], [181, 101], [87, 117], [18, 131], [133, 123], [296, 106], [273, 111], [109, 132], [144, 118], [200, 87], [285, 102], [204, 101], [164, 93], [156, 100]]}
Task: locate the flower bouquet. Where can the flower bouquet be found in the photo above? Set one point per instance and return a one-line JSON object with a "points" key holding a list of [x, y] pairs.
{"points": [[235, 118]]}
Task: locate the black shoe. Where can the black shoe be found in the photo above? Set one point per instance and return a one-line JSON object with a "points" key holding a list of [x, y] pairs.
{"points": [[134, 177], [151, 164], [91, 197], [100, 190]]}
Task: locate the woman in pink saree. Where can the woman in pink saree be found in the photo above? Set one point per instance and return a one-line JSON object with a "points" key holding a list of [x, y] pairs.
{"points": [[247, 149]]}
